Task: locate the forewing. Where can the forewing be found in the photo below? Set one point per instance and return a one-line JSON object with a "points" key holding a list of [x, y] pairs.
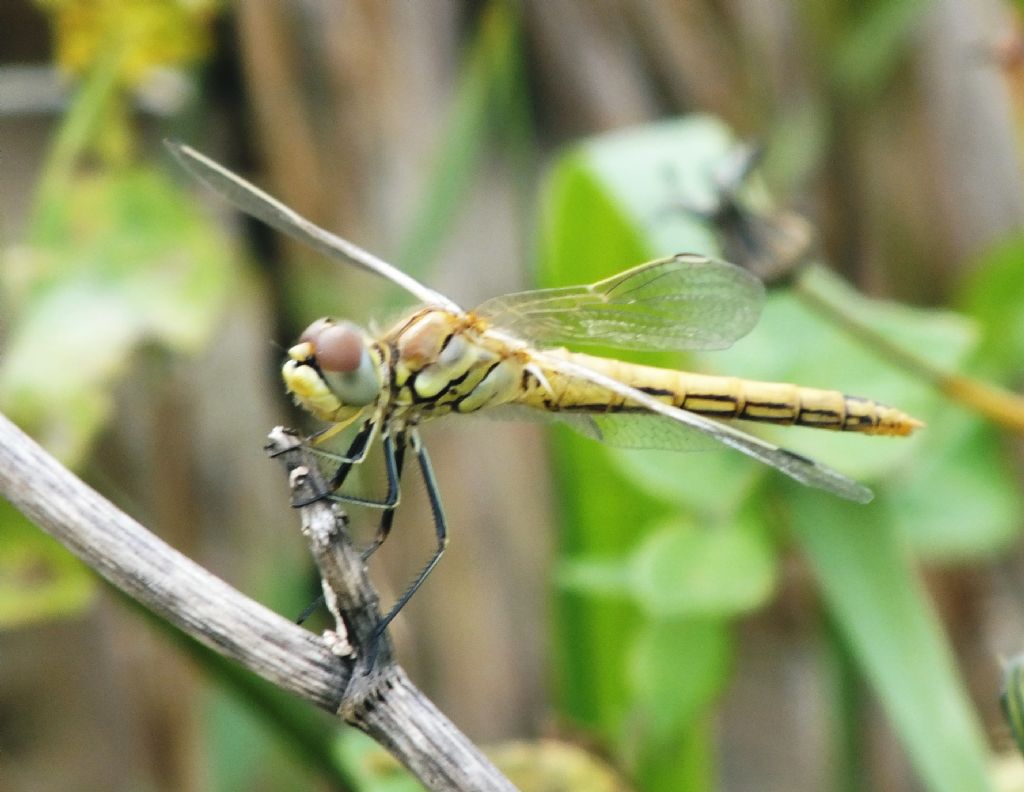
{"points": [[255, 202], [684, 302], [668, 427]]}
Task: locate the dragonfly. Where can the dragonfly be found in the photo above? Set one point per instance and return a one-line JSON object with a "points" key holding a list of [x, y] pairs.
{"points": [[508, 356]]}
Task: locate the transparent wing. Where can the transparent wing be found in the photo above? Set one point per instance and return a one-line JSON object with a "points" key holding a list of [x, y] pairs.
{"points": [[643, 430], [620, 430], [684, 302], [255, 202], [668, 427]]}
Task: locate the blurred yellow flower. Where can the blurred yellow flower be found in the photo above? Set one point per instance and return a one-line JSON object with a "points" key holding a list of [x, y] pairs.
{"points": [[151, 34]]}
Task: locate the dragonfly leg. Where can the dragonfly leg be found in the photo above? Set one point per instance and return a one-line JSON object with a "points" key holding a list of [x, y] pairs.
{"points": [[354, 455], [388, 517], [394, 455], [390, 500], [440, 531], [309, 609]]}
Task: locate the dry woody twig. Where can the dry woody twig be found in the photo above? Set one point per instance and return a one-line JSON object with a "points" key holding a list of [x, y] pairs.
{"points": [[329, 671]]}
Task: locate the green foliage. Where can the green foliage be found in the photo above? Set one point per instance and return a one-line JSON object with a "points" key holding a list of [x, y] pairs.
{"points": [[991, 295], [39, 579], [488, 102], [665, 735], [1012, 699], [867, 580], [680, 569], [371, 768], [114, 259], [873, 45], [129, 262], [655, 542]]}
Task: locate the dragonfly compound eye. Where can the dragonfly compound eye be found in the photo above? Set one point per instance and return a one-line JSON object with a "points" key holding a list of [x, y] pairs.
{"points": [[313, 332], [338, 347], [342, 354]]}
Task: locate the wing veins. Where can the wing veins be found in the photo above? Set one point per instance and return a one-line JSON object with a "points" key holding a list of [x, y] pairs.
{"points": [[683, 302], [261, 205]]}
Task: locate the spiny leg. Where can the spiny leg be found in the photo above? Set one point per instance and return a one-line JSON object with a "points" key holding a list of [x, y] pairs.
{"points": [[391, 468], [309, 609], [355, 454], [388, 517], [394, 459], [393, 464], [440, 531]]}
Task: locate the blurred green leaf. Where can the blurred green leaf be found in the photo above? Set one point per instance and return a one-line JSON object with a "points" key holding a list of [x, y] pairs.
{"points": [[864, 573], [960, 499], [371, 767], [1012, 699], [39, 579], [873, 45], [678, 667], [130, 262], [583, 231], [992, 294], [483, 105], [648, 172], [121, 260], [682, 570], [713, 484]]}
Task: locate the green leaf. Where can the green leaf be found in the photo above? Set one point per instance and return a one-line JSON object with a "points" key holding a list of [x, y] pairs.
{"points": [[649, 172], [484, 104], [585, 233], [370, 766], [872, 592], [584, 236], [1012, 699], [992, 295], [713, 484], [683, 570], [678, 667], [39, 579], [130, 262], [960, 498]]}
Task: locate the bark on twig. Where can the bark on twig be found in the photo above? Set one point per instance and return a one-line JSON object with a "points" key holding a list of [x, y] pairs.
{"points": [[331, 674], [380, 699], [158, 576]]}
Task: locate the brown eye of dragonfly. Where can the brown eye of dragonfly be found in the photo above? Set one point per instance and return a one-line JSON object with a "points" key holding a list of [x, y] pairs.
{"points": [[337, 347], [312, 333]]}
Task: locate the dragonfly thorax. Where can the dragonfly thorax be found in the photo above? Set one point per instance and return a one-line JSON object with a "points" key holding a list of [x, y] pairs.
{"points": [[334, 371]]}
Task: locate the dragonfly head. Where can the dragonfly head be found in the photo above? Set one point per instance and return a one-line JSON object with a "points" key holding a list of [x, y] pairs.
{"points": [[333, 370]]}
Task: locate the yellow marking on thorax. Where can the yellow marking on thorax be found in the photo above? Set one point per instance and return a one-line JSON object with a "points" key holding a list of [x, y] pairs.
{"points": [[447, 363]]}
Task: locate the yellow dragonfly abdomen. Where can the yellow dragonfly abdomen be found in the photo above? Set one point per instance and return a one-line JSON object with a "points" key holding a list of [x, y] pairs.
{"points": [[713, 396]]}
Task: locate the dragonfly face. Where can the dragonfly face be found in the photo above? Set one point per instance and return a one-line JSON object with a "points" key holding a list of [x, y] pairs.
{"points": [[334, 371]]}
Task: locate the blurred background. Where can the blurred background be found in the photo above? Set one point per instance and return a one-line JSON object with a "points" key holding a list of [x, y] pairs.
{"points": [[632, 621]]}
